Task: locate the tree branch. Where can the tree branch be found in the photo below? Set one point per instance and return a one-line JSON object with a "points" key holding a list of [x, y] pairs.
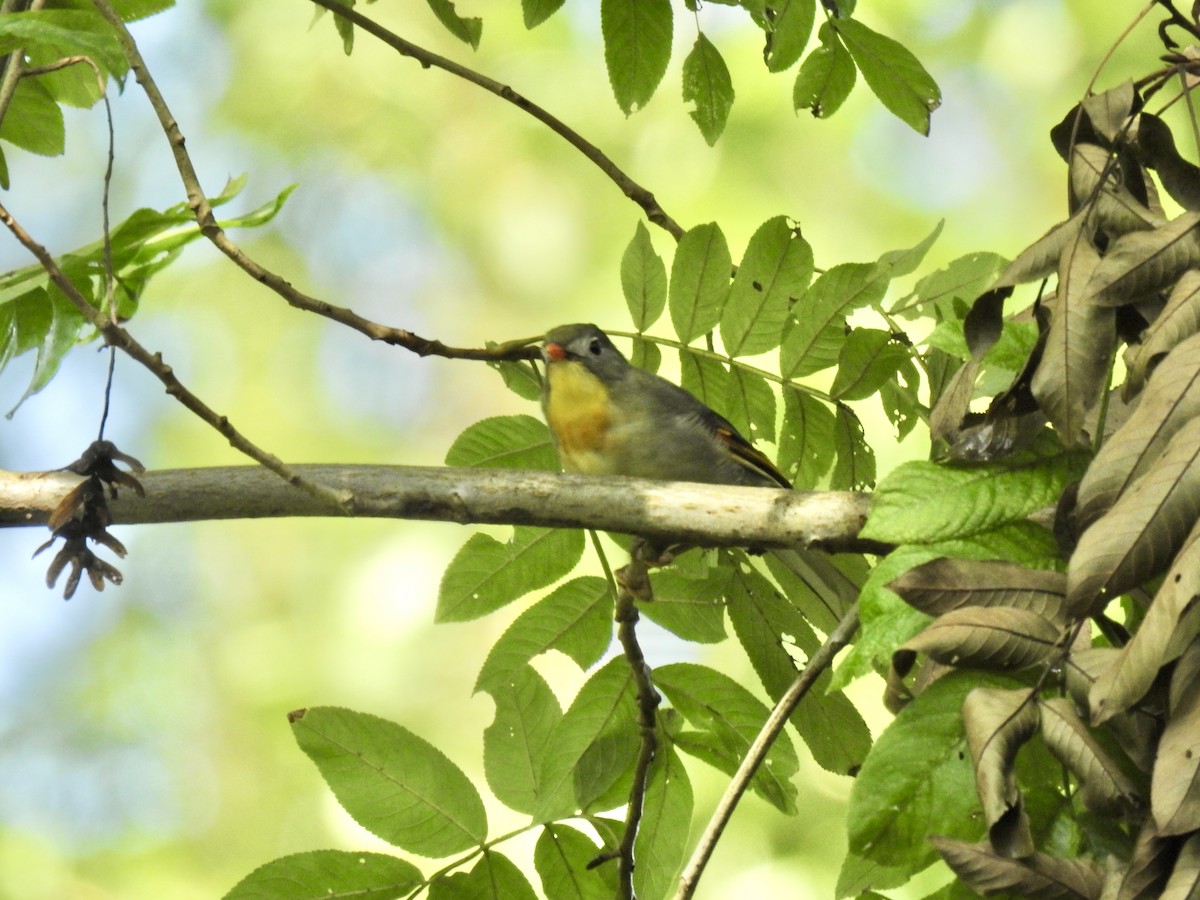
{"points": [[426, 58], [820, 661], [702, 514]]}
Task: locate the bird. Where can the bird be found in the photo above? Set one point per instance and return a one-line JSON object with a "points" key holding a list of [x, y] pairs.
{"points": [[608, 417]]}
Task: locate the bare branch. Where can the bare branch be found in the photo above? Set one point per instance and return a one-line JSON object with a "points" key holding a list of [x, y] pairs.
{"points": [[426, 58], [702, 514]]}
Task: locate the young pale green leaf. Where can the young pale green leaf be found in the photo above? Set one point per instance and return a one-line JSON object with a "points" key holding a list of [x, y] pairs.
{"points": [[922, 502], [819, 328], [826, 76], [854, 468], [575, 618], [536, 12], [906, 260], [750, 405], [961, 281], [1138, 537], [918, 779], [396, 785], [706, 83], [519, 377], [643, 280], [637, 47], [329, 873], [775, 635], [789, 34], [594, 744], [692, 608], [731, 717], [486, 575], [514, 744], [504, 442], [34, 121], [662, 837], [774, 272], [806, 449], [868, 359], [561, 858], [893, 74], [466, 29], [699, 281], [495, 877], [63, 326]]}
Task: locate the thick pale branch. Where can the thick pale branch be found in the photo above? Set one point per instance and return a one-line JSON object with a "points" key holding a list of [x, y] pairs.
{"points": [[707, 515]]}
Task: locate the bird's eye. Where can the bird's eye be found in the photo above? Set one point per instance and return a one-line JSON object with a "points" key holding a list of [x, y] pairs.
{"points": [[594, 347]]}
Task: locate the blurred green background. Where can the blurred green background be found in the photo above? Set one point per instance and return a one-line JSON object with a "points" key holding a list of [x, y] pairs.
{"points": [[144, 748]]}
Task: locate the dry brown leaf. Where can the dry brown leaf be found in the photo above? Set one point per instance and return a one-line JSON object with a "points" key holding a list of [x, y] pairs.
{"points": [[1143, 261], [981, 637], [1104, 788], [1178, 320], [1184, 883], [1170, 625], [1137, 730], [1072, 373], [1137, 538], [1145, 876], [947, 583], [997, 723], [1039, 877], [1170, 401], [1115, 209], [1175, 787]]}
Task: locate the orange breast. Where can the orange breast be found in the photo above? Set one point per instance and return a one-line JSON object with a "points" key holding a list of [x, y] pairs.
{"points": [[578, 413]]}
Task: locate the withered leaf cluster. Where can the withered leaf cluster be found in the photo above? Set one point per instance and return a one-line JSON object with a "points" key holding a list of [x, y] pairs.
{"points": [[84, 515], [1113, 696]]}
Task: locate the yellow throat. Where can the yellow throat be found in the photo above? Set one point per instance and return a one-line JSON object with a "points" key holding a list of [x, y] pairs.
{"points": [[579, 413]]}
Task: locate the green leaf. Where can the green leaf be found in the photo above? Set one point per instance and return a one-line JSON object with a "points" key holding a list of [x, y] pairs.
{"points": [[486, 575], [854, 468], [643, 280], [329, 873], [923, 502], [750, 404], [467, 30], [505, 442], [868, 359], [790, 32], [538, 11], [62, 33], [815, 338], [774, 272], [919, 779], [776, 638], [63, 325], [646, 355], [514, 744], [895, 76], [731, 717], [637, 47], [826, 76], [662, 837], [806, 449], [594, 745], [706, 81], [699, 281], [396, 785], [962, 280], [561, 858], [575, 618], [691, 608], [495, 877], [34, 121], [704, 377], [519, 377]]}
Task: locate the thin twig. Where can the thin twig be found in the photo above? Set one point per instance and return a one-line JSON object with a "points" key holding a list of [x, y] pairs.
{"points": [[630, 188], [117, 336], [212, 230], [818, 663], [631, 581]]}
